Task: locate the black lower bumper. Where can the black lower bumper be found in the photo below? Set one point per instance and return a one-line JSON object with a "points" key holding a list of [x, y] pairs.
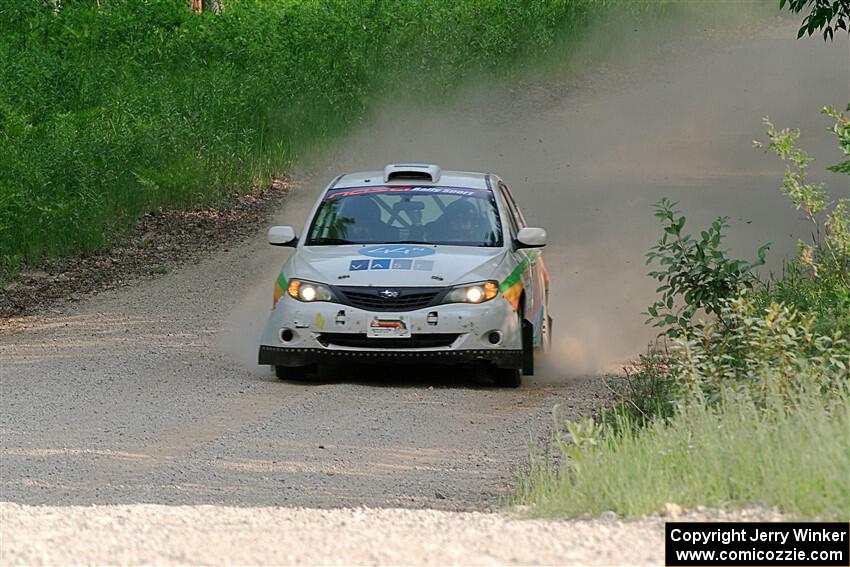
{"points": [[282, 356]]}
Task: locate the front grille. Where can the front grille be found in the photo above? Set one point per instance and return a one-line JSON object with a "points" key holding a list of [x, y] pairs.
{"points": [[408, 299], [355, 340]]}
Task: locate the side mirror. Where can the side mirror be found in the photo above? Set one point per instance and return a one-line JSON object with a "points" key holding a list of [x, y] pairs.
{"points": [[530, 237], [282, 236]]}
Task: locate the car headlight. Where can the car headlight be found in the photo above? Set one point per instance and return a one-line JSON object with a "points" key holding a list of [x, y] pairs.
{"points": [[473, 293], [308, 291]]}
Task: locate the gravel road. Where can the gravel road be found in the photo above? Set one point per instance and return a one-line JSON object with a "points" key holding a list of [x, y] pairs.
{"points": [[153, 534], [145, 403], [152, 395]]}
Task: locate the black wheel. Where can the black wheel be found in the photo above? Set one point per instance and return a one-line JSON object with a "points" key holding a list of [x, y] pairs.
{"points": [[298, 373], [527, 347], [507, 377]]}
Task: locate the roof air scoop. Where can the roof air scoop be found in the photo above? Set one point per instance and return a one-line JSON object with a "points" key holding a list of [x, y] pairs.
{"points": [[413, 171]]}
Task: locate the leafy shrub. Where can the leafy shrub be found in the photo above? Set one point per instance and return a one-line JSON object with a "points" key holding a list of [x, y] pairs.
{"points": [[841, 129], [817, 281], [764, 352], [824, 297], [796, 325], [698, 274], [829, 253]]}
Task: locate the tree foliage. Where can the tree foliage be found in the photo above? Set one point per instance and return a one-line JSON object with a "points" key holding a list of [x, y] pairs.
{"points": [[826, 15], [108, 112]]}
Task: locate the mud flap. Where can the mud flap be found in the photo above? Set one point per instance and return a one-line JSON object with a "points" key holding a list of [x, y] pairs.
{"points": [[527, 348]]}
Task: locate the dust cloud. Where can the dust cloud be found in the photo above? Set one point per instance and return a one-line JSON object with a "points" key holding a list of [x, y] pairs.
{"points": [[589, 143]]}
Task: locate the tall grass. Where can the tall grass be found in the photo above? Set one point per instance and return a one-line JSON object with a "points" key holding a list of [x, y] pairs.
{"points": [[730, 455], [108, 112]]}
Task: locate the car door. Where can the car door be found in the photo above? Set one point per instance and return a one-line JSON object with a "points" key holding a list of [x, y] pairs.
{"points": [[533, 273]]}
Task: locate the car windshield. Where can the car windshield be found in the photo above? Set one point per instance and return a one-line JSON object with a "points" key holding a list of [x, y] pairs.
{"points": [[394, 215]]}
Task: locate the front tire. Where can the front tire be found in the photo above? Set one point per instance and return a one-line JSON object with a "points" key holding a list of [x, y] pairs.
{"points": [[296, 373], [528, 349], [507, 377]]}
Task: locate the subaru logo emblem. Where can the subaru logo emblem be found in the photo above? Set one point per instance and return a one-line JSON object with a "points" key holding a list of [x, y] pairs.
{"points": [[388, 293]]}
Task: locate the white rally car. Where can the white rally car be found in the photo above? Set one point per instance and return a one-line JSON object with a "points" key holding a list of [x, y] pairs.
{"points": [[411, 264]]}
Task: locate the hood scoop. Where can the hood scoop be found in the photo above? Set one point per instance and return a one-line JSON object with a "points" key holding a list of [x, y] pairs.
{"points": [[412, 171]]}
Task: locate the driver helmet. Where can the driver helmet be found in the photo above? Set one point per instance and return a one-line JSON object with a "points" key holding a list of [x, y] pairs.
{"points": [[460, 215]]}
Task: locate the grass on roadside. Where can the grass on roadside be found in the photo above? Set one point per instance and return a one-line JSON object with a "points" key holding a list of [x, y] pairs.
{"points": [[731, 455]]}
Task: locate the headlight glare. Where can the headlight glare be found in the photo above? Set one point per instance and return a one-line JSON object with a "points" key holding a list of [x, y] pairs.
{"points": [[473, 293], [308, 291]]}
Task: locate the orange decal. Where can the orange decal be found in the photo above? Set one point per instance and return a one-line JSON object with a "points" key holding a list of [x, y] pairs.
{"points": [[513, 293]]}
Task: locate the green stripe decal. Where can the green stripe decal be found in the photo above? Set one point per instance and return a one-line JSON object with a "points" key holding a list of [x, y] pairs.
{"points": [[515, 276], [281, 280]]}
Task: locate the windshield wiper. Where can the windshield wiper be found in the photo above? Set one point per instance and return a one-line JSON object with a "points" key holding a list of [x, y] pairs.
{"points": [[324, 240]]}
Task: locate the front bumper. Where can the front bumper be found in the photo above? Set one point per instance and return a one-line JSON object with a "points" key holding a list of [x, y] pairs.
{"points": [[283, 356], [299, 334]]}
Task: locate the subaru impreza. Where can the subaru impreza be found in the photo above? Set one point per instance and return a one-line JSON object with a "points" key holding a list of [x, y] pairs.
{"points": [[411, 264]]}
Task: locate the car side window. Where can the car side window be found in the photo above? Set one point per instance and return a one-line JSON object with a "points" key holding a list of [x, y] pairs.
{"points": [[519, 221], [508, 214]]}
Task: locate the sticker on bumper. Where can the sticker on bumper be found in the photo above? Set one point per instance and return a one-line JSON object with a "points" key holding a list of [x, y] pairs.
{"points": [[395, 327]]}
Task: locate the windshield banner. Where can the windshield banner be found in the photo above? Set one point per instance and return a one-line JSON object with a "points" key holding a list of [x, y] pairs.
{"points": [[462, 192]]}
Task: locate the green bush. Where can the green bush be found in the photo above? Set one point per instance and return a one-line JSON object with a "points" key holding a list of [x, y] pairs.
{"points": [[817, 281], [759, 335], [766, 353], [696, 274]]}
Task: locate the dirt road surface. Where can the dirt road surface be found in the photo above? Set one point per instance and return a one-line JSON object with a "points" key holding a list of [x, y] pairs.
{"points": [[137, 428], [151, 534], [135, 397]]}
